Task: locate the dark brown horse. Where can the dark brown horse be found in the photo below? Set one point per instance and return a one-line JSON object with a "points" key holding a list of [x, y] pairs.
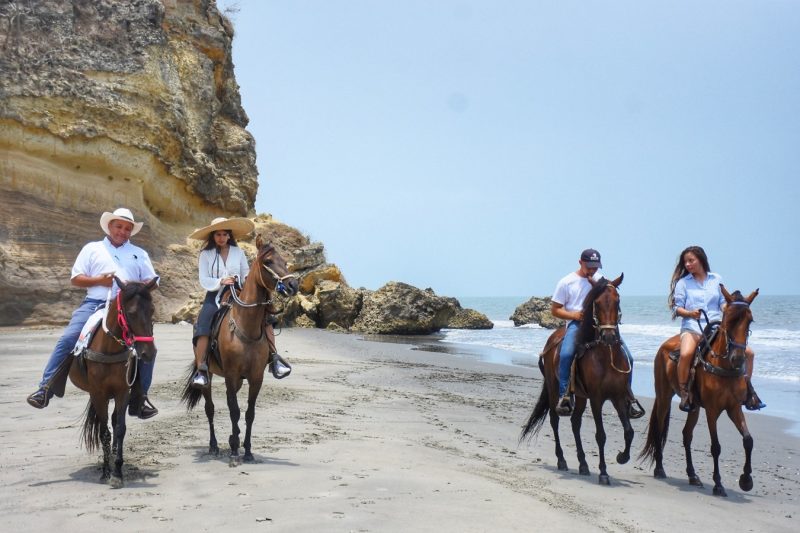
{"points": [[601, 371], [108, 369], [243, 346], [720, 387]]}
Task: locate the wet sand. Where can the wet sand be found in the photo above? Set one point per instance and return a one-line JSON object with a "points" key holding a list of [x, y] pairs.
{"points": [[366, 436]]}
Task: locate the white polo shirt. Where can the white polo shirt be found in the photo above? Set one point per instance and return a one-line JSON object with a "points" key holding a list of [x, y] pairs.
{"points": [[128, 262]]}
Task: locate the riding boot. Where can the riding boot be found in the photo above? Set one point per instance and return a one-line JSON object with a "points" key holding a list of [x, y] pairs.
{"points": [[635, 409], [752, 402], [200, 379], [139, 405], [40, 398]]}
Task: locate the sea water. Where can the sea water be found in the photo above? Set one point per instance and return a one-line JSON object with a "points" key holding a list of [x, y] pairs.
{"points": [[646, 323]]}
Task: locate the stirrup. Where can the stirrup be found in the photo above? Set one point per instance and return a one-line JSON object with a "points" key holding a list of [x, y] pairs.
{"points": [[635, 409], [564, 406], [278, 366], [40, 399]]}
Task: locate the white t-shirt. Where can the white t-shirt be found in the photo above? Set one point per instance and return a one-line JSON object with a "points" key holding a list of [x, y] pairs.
{"points": [[128, 262], [571, 290], [212, 268]]}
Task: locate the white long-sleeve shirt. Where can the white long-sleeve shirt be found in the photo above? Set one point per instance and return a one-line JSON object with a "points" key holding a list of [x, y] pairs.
{"points": [[212, 269]]}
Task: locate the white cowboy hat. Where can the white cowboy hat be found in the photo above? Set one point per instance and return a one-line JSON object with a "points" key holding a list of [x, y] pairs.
{"points": [[238, 226], [120, 214]]}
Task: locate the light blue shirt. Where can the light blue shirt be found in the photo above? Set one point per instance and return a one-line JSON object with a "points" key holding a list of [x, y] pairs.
{"points": [[691, 295]]}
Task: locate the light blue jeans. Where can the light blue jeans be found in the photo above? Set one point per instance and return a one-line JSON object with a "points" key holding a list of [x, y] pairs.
{"points": [[568, 354], [70, 336]]}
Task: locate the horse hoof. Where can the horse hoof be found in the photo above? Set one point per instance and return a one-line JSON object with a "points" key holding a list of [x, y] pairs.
{"points": [[659, 473], [695, 481], [745, 483], [213, 450], [603, 479], [719, 490], [248, 458], [623, 458], [583, 470], [235, 461], [562, 465], [116, 482]]}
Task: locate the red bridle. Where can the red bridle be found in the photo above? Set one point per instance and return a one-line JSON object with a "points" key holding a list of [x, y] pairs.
{"points": [[127, 335]]}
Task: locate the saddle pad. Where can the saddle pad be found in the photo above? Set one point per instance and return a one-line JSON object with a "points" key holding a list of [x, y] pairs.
{"points": [[86, 333]]}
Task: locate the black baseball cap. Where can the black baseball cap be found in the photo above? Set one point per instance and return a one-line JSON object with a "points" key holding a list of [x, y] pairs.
{"points": [[591, 258]]}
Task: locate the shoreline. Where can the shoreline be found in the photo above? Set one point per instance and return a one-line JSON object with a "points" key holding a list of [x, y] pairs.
{"points": [[367, 436]]}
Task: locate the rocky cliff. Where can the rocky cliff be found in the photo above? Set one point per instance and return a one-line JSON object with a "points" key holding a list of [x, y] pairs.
{"points": [[106, 104]]}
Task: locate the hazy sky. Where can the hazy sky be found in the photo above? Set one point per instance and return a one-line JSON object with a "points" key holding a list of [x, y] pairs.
{"points": [[478, 147]]}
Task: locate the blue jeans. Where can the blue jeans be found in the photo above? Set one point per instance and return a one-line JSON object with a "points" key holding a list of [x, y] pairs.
{"points": [[568, 354], [146, 374], [70, 336]]}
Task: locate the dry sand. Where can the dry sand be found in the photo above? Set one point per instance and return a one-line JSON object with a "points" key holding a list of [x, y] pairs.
{"points": [[365, 436]]}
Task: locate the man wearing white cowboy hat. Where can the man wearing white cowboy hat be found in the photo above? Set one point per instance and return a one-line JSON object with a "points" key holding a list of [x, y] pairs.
{"points": [[94, 270], [220, 262]]}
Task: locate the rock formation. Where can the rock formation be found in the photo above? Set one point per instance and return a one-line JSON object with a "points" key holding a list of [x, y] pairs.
{"points": [[399, 308], [536, 311], [106, 104]]}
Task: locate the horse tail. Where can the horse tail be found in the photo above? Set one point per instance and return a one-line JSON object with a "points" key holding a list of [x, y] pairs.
{"points": [[190, 395], [92, 428], [538, 415], [656, 436]]}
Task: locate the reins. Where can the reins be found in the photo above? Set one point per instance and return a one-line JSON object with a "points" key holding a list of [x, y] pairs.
{"points": [[127, 341], [729, 343]]}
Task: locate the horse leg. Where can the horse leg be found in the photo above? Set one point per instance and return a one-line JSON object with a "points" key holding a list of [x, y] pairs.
{"points": [[711, 418], [576, 419], [233, 407], [561, 462], [105, 439], [249, 417], [688, 433], [737, 417], [621, 405], [120, 427], [213, 447], [600, 437]]}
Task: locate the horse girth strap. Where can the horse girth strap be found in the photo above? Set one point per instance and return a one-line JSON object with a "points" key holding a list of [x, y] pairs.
{"points": [[100, 357]]}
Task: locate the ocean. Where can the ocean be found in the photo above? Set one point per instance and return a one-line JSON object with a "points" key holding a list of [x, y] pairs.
{"points": [[646, 323]]}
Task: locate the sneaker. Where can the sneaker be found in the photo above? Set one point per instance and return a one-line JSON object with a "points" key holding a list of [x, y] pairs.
{"points": [[40, 398], [564, 407], [200, 380], [279, 368]]}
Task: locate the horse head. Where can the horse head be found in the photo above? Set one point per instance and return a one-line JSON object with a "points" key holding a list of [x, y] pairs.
{"points": [[602, 308], [281, 280], [735, 326], [135, 311]]}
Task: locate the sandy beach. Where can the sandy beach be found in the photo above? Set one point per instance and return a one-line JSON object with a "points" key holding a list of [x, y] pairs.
{"points": [[365, 436]]}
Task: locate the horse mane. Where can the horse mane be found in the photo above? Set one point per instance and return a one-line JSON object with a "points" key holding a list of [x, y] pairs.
{"points": [[586, 330]]}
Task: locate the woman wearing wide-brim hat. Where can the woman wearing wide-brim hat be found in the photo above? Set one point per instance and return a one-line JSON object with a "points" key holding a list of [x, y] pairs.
{"points": [[220, 263]]}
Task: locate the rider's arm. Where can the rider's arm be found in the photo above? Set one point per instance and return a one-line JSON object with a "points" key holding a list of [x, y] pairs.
{"points": [[83, 281], [558, 311]]}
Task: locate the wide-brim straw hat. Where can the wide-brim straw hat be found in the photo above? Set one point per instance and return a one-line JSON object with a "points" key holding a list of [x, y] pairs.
{"points": [[238, 226], [120, 214]]}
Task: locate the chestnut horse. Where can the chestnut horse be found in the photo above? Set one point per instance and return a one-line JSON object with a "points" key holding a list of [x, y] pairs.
{"points": [[243, 346], [719, 385], [600, 373], [108, 369]]}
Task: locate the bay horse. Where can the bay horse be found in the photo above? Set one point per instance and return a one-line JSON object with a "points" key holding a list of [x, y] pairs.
{"points": [[108, 369], [243, 346], [600, 373], [720, 386]]}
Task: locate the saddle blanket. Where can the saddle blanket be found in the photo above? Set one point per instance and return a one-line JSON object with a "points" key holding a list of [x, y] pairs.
{"points": [[86, 333]]}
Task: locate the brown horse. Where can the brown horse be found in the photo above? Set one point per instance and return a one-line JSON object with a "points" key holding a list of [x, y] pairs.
{"points": [[600, 372], [108, 369], [243, 346], [720, 386]]}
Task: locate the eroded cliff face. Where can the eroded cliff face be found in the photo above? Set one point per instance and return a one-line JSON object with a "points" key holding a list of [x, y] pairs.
{"points": [[106, 104]]}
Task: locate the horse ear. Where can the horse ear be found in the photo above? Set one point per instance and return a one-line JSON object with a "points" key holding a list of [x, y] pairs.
{"points": [[152, 284], [591, 281], [752, 296], [617, 282], [725, 293], [259, 241], [121, 284]]}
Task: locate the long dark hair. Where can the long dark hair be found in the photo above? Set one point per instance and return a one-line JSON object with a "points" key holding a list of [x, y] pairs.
{"points": [[680, 270], [211, 244]]}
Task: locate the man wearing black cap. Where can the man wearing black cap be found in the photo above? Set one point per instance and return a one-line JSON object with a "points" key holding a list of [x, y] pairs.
{"points": [[567, 304]]}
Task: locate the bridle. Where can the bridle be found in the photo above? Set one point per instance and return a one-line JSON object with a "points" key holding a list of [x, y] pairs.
{"points": [[600, 338], [278, 287], [128, 340], [730, 346]]}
